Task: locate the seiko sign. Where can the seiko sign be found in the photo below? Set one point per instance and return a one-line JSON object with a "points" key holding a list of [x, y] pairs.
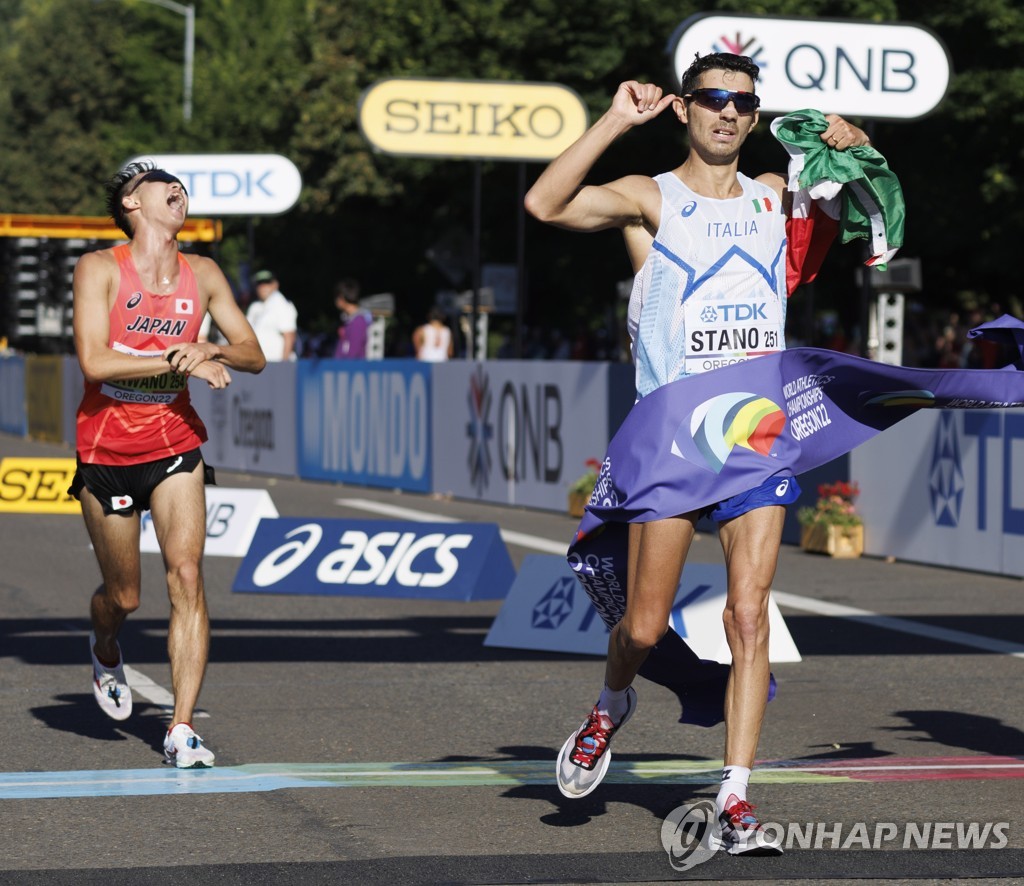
{"points": [[885, 71], [471, 118], [234, 184]]}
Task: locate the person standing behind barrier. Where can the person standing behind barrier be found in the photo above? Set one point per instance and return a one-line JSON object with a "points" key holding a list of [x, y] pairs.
{"points": [[433, 340], [137, 313], [273, 317], [688, 219], [355, 322]]}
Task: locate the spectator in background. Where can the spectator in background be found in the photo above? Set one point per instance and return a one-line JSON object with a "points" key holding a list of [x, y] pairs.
{"points": [[273, 318], [355, 322], [433, 340]]}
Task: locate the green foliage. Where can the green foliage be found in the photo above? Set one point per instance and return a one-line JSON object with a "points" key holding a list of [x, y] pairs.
{"points": [[90, 83]]}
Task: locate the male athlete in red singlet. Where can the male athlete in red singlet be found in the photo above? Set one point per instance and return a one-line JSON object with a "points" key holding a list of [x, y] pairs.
{"points": [[137, 313]]}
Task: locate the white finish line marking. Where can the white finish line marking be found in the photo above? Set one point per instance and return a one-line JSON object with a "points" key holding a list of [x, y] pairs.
{"points": [[793, 601], [516, 538], [864, 616], [154, 693]]}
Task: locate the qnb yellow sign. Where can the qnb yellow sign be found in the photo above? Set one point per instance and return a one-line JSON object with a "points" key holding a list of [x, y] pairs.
{"points": [[471, 118], [37, 485]]}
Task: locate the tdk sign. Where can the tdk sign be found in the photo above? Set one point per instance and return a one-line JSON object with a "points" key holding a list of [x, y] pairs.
{"points": [[377, 558], [234, 184]]}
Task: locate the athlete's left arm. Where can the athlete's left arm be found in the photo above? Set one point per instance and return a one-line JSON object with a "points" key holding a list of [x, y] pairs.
{"points": [[242, 352]]}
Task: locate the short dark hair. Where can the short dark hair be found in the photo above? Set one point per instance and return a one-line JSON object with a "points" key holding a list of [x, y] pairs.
{"points": [[348, 289], [716, 61], [115, 191]]}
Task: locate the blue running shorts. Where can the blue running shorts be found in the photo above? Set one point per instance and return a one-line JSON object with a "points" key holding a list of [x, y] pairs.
{"points": [[777, 490]]}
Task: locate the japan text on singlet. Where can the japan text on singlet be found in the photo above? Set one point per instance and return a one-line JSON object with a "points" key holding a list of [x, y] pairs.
{"points": [[145, 419], [713, 288]]}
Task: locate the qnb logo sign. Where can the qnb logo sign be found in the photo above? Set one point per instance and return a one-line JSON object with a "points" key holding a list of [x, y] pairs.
{"points": [[878, 70], [378, 558], [234, 184]]}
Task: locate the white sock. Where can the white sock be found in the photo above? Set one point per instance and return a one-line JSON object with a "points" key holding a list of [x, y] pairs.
{"points": [[613, 704], [734, 781]]}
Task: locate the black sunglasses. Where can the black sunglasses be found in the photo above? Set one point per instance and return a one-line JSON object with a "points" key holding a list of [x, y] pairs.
{"points": [[157, 175], [717, 99]]}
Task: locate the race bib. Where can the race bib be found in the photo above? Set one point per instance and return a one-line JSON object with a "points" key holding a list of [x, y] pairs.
{"points": [[720, 333]]}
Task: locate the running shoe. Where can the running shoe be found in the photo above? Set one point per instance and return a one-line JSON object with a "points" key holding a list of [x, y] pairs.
{"points": [[184, 748], [109, 685], [584, 758], [738, 831]]}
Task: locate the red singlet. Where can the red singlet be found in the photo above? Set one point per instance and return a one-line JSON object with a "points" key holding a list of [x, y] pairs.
{"points": [[140, 420]]}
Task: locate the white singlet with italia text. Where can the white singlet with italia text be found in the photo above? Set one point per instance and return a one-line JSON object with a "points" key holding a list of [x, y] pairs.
{"points": [[712, 290]]}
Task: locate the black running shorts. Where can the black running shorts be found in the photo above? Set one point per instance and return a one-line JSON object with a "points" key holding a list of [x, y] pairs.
{"points": [[125, 489]]}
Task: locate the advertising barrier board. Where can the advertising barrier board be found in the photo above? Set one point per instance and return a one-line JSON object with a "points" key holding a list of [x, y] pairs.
{"points": [[251, 423], [946, 488], [44, 389], [517, 431], [377, 558], [13, 413], [365, 422], [37, 486], [547, 609], [232, 516]]}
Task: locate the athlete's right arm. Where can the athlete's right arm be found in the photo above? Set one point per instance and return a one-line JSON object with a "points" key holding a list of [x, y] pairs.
{"points": [[559, 197], [95, 284]]}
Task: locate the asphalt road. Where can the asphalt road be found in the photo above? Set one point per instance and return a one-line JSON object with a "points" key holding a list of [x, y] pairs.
{"points": [[364, 740]]}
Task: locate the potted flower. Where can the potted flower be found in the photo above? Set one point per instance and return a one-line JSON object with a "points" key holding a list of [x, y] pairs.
{"points": [[581, 488], [833, 525]]}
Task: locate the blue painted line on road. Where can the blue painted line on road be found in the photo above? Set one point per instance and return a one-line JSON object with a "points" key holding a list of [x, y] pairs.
{"points": [[260, 777]]}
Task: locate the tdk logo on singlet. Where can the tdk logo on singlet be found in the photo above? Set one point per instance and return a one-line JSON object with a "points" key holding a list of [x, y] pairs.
{"points": [[734, 313], [377, 557]]}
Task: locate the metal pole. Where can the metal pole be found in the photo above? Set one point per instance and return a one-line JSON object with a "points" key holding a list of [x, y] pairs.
{"points": [[477, 187], [520, 261], [190, 51], [866, 292]]}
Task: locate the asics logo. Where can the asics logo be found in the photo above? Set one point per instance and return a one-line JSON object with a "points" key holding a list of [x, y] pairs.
{"points": [[362, 559], [175, 464], [780, 490]]}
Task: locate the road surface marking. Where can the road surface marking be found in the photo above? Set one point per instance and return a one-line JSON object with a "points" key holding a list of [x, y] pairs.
{"points": [[261, 777]]}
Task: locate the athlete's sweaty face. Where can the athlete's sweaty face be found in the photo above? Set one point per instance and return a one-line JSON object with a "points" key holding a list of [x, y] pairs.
{"points": [[719, 134]]}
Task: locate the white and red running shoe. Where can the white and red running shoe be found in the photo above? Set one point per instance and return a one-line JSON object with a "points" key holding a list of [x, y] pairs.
{"points": [[584, 758], [738, 831]]}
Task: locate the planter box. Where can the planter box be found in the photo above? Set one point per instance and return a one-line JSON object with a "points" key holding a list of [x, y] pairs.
{"points": [[577, 500], [836, 541]]}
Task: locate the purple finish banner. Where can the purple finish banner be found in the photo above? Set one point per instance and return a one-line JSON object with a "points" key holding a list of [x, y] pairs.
{"points": [[702, 439]]}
